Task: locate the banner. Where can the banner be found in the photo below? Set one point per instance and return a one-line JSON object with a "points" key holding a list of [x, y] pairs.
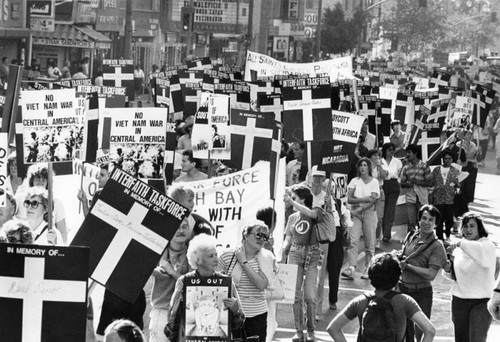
{"points": [[130, 221], [287, 276], [264, 66], [50, 126], [206, 317], [136, 138], [43, 293], [228, 201]]}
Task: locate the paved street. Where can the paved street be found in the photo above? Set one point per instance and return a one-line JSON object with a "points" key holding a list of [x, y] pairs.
{"points": [[487, 204]]}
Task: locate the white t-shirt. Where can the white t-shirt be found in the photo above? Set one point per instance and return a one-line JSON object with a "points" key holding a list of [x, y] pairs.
{"points": [[364, 190]]}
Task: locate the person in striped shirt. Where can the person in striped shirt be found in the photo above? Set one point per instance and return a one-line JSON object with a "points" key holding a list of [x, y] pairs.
{"points": [[251, 268]]}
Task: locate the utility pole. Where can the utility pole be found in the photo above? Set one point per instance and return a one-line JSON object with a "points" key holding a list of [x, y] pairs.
{"points": [[318, 31], [127, 44]]}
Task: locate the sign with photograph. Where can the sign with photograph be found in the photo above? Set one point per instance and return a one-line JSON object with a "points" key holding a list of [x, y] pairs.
{"points": [[43, 293], [51, 125], [206, 318], [135, 138], [130, 221]]}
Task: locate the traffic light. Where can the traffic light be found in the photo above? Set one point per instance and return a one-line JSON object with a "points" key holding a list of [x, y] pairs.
{"points": [[422, 3], [187, 19]]}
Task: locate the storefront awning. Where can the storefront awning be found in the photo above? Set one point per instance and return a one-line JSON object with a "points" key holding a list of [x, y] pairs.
{"points": [[13, 32], [66, 35]]}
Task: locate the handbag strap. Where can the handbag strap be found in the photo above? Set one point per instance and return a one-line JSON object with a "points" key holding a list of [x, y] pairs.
{"points": [[229, 266]]}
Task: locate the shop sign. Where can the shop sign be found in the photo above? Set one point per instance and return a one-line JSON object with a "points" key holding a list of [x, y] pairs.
{"points": [[63, 42]]}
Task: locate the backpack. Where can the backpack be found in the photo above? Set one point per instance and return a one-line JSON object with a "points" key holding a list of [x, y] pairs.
{"points": [[377, 322]]}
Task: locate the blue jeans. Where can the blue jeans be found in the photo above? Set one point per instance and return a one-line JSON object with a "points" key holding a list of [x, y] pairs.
{"points": [[471, 319], [423, 297], [310, 260], [364, 224]]}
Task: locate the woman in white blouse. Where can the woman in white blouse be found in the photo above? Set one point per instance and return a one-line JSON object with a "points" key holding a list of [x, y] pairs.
{"points": [[362, 192], [472, 270], [391, 188]]}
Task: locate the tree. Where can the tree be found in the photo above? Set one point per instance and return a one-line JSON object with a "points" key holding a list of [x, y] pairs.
{"points": [[335, 31]]}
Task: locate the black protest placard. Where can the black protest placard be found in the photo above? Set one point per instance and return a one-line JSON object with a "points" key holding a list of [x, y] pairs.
{"points": [[251, 138], [206, 318], [43, 293], [307, 109], [119, 73], [109, 97], [130, 221], [332, 156], [161, 96]]}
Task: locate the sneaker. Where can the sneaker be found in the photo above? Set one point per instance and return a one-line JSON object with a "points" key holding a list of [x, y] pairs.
{"points": [[333, 306], [348, 273], [317, 317], [298, 337], [310, 336], [365, 274]]}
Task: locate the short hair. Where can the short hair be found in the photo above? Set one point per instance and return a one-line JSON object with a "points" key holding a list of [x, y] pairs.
{"points": [[179, 191], [80, 69], [198, 245], [11, 159], [432, 210], [304, 193], [126, 329], [372, 152], [4, 59], [12, 227], [385, 147], [104, 166], [415, 149], [395, 122], [39, 170], [43, 194], [479, 220], [267, 215], [203, 228], [189, 154], [384, 271], [251, 226], [364, 160]]}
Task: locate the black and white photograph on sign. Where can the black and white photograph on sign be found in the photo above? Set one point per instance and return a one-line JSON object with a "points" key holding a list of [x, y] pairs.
{"points": [[136, 139], [130, 221], [43, 292], [205, 313], [51, 125], [218, 120]]}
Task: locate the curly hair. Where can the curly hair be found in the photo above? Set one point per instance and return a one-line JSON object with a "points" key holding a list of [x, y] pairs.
{"points": [[39, 170], [304, 193], [198, 245], [127, 330], [384, 271], [12, 227]]}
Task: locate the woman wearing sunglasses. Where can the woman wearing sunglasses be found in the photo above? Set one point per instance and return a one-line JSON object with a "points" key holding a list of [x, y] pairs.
{"points": [[251, 268], [36, 203]]}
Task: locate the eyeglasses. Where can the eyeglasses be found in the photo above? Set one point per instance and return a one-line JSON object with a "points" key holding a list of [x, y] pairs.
{"points": [[262, 236], [32, 204]]}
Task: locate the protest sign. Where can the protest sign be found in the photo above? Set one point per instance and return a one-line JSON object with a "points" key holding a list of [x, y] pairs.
{"points": [[109, 97], [287, 277], [119, 73], [331, 156], [201, 133], [90, 130], [262, 66], [50, 125], [136, 139], [339, 185], [88, 174], [206, 318], [130, 221], [161, 96], [251, 138], [346, 126], [307, 109], [4, 147], [228, 201], [43, 293], [219, 143]]}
